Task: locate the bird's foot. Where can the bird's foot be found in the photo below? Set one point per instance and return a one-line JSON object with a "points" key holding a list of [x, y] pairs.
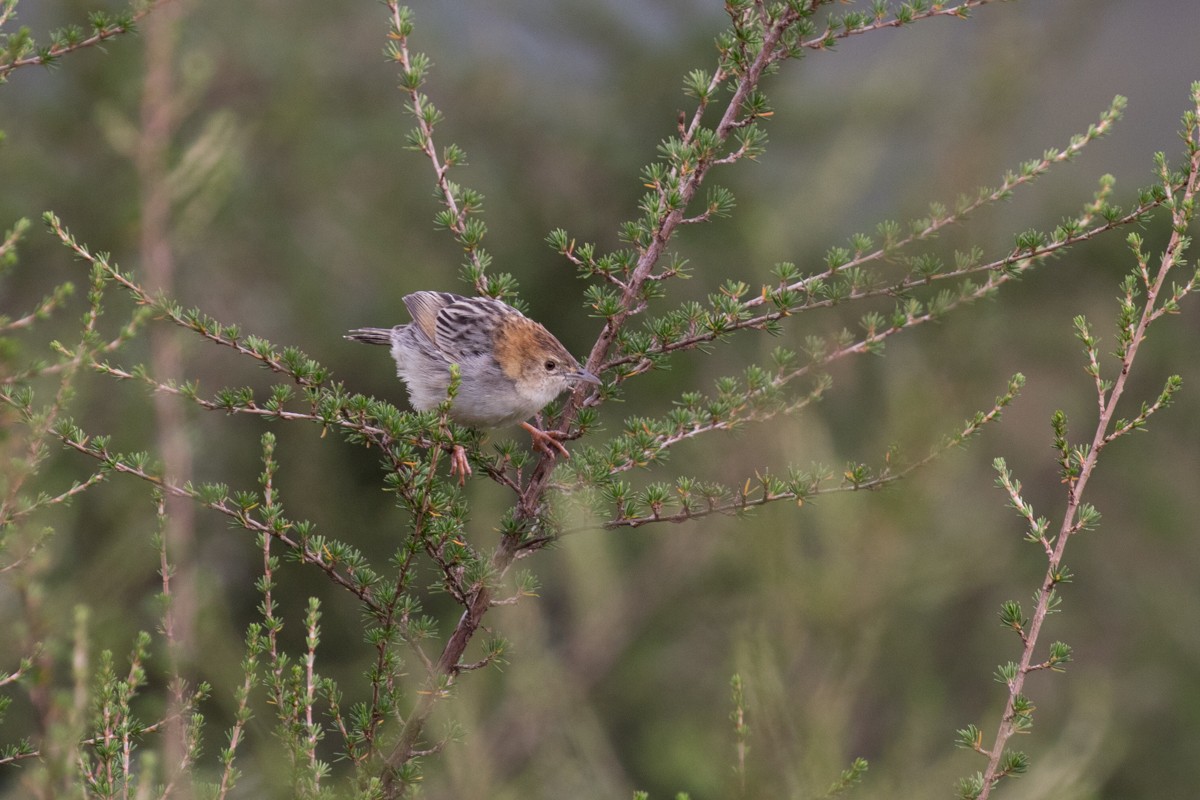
{"points": [[459, 465], [546, 441]]}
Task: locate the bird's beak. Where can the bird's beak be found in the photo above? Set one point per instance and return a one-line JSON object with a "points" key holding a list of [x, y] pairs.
{"points": [[583, 376]]}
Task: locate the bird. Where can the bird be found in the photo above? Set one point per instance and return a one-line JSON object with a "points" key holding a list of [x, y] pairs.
{"points": [[510, 367]]}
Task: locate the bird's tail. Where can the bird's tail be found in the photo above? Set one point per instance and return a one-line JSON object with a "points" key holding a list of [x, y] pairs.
{"points": [[371, 335]]}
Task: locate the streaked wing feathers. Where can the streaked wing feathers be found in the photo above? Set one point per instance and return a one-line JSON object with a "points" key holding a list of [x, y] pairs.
{"points": [[461, 328]]}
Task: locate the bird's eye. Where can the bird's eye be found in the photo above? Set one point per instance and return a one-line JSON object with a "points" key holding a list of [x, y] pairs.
{"points": [[550, 366]]}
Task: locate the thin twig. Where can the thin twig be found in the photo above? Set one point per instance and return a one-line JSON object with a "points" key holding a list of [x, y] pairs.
{"points": [[1182, 205], [54, 52]]}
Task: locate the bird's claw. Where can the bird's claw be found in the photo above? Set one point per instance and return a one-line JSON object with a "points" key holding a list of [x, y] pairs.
{"points": [[459, 465], [546, 441]]}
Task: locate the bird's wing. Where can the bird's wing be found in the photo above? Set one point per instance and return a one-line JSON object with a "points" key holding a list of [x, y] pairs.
{"points": [[466, 328], [424, 308], [460, 328]]}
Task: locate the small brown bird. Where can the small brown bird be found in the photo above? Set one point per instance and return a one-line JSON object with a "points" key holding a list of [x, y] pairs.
{"points": [[509, 366]]}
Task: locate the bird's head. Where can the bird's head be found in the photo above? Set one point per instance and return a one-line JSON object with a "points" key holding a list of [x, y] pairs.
{"points": [[537, 363]]}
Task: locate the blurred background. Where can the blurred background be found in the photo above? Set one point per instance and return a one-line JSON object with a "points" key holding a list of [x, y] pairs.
{"points": [[862, 625]]}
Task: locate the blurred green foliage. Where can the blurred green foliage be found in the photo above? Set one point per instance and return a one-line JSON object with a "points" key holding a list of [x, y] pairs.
{"points": [[860, 625]]}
